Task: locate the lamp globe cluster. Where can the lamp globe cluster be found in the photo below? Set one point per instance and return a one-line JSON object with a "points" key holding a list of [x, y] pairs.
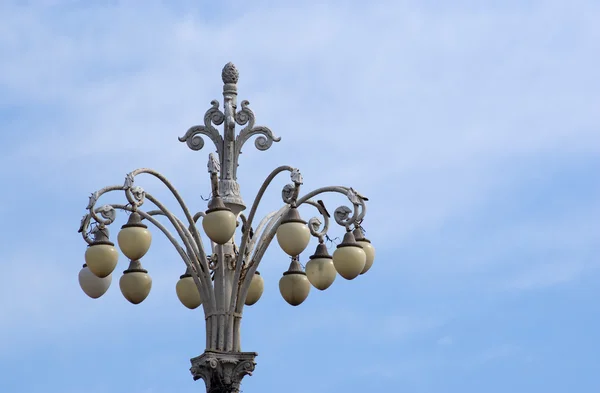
{"points": [[101, 258], [351, 258], [221, 269]]}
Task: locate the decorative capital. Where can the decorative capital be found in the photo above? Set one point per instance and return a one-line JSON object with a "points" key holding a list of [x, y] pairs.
{"points": [[223, 371], [230, 74]]}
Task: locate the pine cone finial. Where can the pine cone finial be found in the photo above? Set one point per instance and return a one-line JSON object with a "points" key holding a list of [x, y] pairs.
{"points": [[230, 74]]}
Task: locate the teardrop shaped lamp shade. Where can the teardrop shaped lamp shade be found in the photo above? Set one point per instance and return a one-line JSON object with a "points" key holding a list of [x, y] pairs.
{"points": [[370, 254], [349, 261], [101, 259], [294, 288], [135, 286], [92, 285], [188, 293], [257, 286], [293, 237], [321, 273], [219, 225], [134, 242]]}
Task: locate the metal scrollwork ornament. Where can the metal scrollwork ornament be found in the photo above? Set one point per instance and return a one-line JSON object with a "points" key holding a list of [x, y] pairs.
{"points": [[246, 116], [315, 223], [212, 116], [288, 192], [342, 216]]}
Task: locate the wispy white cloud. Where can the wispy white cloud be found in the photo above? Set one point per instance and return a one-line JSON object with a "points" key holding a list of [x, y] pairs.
{"points": [[432, 111]]}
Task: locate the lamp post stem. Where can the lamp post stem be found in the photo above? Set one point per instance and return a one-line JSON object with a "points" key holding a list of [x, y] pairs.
{"points": [[228, 185]]}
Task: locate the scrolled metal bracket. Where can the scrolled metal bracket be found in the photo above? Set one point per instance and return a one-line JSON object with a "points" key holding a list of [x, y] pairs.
{"points": [[193, 136], [289, 193], [265, 140]]}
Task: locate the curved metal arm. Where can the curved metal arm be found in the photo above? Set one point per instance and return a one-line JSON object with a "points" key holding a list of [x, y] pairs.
{"points": [[261, 247], [181, 225], [193, 246], [259, 229], [183, 232], [314, 223], [244, 242], [314, 193], [187, 239], [149, 217], [196, 235], [189, 262], [342, 213], [107, 212], [92, 203], [245, 224], [257, 200], [197, 216], [138, 195], [204, 286], [269, 233]]}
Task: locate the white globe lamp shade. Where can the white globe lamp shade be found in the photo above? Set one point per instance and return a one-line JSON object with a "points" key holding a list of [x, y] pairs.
{"points": [[92, 285], [349, 258], [293, 234], [219, 223], [134, 238], [101, 258], [320, 270], [135, 283], [187, 292], [256, 289], [294, 286]]}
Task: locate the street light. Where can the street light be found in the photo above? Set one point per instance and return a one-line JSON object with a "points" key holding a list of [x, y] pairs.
{"points": [[226, 280]]}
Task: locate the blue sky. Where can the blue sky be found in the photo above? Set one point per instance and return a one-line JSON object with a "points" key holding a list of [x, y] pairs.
{"points": [[472, 127]]}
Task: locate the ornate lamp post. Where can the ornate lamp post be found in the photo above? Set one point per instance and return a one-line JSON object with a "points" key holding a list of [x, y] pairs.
{"points": [[227, 279]]}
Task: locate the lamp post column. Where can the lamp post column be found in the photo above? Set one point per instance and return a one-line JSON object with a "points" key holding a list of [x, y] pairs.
{"points": [[223, 368]]}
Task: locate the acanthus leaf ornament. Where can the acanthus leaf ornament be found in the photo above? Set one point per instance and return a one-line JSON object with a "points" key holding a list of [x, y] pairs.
{"points": [[296, 176], [290, 191], [342, 216], [355, 197], [138, 193], [214, 167], [287, 193], [108, 213], [93, 199], [84, 223], [314, 224], [129, 179]]}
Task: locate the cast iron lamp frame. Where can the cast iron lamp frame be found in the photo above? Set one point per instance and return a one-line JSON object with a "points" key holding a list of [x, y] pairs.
{"points": [[223, 278]]}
